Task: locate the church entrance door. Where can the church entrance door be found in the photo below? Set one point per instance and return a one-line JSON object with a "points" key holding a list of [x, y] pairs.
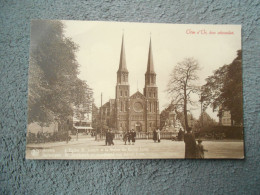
{"points": [[138, 127]]}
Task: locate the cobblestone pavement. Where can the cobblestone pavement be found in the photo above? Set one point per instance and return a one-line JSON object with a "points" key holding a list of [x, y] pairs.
{"points": [[88, 148]]}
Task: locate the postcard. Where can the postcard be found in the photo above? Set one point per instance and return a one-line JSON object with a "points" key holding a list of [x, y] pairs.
{"points": [[118, 90]]}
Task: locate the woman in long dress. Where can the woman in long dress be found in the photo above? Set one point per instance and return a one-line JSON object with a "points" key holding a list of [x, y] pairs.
{"points": [[158, 135]]}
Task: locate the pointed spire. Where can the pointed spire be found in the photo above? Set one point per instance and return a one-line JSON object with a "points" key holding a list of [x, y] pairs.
{"points": [[150, 67], [122, 62]]}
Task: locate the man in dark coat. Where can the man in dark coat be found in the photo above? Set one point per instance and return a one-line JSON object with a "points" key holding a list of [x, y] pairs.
{"points": [[133, 135], [107, 137], [154, 135], [180, 135], [129, 137], [111, 137], [190, 144], [125, 137]]}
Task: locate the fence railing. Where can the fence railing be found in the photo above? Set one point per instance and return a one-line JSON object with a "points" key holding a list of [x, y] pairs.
{"points": [[64, 136], [141, 135]]}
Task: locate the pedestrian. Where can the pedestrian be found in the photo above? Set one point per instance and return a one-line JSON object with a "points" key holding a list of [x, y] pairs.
{"points": [[107, 137], [112, 136], [158, 135], [154, 135], [67, 130], [125, 137], [200, 150], [190, 144], [180, 135], [38, 136], [133, 135], [129, 137]]}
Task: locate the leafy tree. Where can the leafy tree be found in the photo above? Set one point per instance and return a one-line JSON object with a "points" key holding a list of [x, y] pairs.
{"points": [[223, 90], [211, 91], [232, 90], [181, 85], [95, 116], [54, 86]]}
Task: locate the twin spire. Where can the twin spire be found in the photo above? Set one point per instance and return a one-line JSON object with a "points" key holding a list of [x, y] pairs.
{"points": [[122, 62], [150, 67]]}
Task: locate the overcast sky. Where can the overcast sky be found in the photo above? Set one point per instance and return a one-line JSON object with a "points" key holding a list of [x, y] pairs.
{"points": [[99, 53]]}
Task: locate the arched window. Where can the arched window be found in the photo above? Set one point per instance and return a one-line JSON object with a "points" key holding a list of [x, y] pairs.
{"points": [[121, 93], [121, 106], [154, 106], [150, 106]]}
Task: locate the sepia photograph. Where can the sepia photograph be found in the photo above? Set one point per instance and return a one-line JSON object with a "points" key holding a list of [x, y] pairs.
{"points": [[122, 90]]}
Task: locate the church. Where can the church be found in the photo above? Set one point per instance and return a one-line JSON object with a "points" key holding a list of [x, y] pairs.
{"points": [[139, 111]]}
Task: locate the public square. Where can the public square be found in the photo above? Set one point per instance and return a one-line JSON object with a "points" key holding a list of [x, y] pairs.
{"points": [[88, 148]]}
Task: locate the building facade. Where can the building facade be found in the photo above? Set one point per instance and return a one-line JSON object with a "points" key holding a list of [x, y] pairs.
{"points": [[225, 118], [82, 120], [139, 111]]}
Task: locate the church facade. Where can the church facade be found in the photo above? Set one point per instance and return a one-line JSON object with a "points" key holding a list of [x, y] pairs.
{"points": [[139, 111]]}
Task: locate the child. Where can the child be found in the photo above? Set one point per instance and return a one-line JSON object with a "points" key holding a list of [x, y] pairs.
{"points": [[200, 150]]}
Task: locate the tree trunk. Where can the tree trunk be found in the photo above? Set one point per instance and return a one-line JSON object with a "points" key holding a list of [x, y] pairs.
{"points": [[185, 110]]}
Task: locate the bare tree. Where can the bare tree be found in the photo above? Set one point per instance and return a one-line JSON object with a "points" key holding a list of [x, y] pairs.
{"points": [[181, 85]]}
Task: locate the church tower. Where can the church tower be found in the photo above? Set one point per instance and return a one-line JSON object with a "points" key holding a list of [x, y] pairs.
{"points": [[151, 94], [122, 93]]}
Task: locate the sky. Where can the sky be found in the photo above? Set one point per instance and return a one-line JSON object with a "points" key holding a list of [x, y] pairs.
{"points": [[100, 45]]}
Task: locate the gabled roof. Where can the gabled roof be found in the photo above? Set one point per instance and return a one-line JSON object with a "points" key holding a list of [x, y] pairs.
{"points": [[108, 103], [137, 95]]}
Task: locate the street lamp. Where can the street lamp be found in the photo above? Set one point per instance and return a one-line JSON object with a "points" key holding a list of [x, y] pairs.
{"points": [[201, 106]]}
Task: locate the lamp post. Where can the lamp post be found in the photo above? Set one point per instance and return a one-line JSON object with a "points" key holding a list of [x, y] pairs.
{"points": [[201, 107], [101, 130]]}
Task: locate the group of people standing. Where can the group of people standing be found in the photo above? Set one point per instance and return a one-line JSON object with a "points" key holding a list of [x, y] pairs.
{"points": [[157, 135], [109, 138], [192, 149], [130, 137]]}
